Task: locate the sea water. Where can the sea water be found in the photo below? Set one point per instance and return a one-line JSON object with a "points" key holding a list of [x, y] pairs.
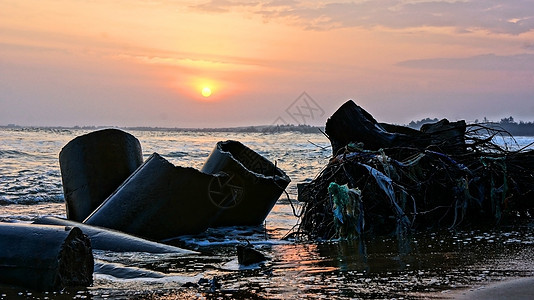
{"points": [[423, 266]]}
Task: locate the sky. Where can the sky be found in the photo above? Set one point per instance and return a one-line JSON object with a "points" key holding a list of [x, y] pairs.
{"points": [[146, 62]]}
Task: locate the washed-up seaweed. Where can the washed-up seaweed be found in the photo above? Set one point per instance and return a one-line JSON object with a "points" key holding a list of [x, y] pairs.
{"points": [[448, 174]]}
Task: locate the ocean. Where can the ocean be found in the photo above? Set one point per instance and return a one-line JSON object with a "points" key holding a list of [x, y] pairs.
{"points": [[426, 265]]}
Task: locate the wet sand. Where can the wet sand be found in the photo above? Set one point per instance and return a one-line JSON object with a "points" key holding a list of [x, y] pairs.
{"points": [[521, 288]]}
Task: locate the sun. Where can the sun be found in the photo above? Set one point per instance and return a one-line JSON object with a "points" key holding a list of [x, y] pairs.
{"points": [[206, 91]]}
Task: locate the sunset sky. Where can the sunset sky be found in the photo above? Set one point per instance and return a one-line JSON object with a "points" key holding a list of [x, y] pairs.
{"points": [[147, 62]]}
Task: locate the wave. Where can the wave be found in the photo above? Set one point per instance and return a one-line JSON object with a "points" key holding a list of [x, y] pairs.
{"points": [[31, 199], [176, 154], [13, 153]]}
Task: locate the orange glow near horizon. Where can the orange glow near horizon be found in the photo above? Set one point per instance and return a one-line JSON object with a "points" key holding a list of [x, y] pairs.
{"points": [[255, 59]]}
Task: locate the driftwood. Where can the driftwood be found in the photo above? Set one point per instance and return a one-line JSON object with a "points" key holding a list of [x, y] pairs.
{"points": [[43, 257], [386, 178]]}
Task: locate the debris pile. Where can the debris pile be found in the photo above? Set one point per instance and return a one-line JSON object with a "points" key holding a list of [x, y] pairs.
{"points": [[385, 179]]}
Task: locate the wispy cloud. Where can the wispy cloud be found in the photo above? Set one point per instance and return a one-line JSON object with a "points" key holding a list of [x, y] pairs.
{"points": [[511, 17], [220, 6], [521, 62], [191, 63]]}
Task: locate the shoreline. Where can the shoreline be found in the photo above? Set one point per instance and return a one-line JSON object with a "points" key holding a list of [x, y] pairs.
{"points": [[512, 288]]}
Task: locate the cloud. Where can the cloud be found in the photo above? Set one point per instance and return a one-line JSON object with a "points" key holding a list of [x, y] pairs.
{"points": [[511, 17], [520, 62], [221, 6], [194, 63]]}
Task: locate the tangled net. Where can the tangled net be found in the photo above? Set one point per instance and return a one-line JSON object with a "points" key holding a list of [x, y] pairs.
{"points": [[406, 189]]}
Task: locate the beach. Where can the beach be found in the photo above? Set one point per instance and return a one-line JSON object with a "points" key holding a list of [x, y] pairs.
{"points": [[512, 289], [435, 264]]}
